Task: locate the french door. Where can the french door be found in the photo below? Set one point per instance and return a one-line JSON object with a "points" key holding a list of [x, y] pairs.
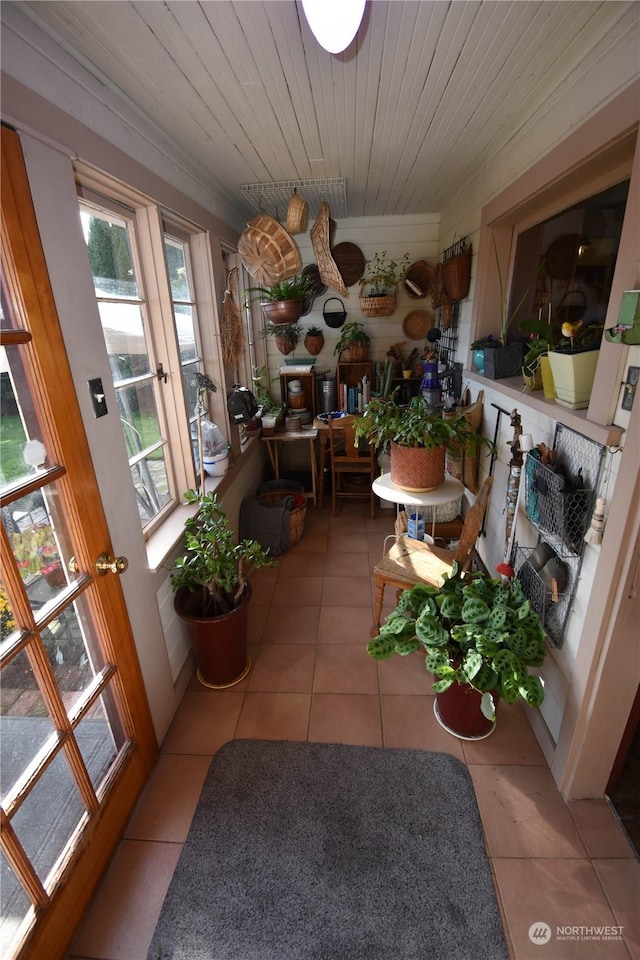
{"points": [[76, 738]]}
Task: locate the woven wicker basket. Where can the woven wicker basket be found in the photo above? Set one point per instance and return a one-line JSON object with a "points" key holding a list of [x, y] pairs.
{"points": [[275, 492], [457, 274], [437, 287], [419, 276], [320, 234], [354, 353], [376, 306], [268, 252], [297, 214]]}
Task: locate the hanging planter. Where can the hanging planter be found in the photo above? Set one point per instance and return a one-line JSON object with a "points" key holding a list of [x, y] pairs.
{"points": [[314, 341], [379, 304]]}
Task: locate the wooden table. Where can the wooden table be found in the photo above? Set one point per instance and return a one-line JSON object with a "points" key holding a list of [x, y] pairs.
{"points": [[292, 436], [322, 430]]}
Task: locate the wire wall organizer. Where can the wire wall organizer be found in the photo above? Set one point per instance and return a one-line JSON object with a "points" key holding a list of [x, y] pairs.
{"points": [[559, 501]]}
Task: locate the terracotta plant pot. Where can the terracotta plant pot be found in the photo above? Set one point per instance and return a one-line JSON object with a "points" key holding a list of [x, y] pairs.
{"points": [[417, 469], [283, 346], [219, 643], [313, 345], [458, 711]]}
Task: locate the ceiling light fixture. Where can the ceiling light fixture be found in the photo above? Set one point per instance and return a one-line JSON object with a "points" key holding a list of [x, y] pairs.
{"points": [[334, 23]]}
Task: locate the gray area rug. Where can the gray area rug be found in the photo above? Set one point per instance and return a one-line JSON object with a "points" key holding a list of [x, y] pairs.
{"points": [[304, 851]]}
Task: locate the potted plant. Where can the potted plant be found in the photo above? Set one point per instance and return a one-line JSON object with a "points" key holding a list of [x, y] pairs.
{"points": [[287, 336], [379, 282], [36, 552], [418, 440], [480, 636], [284, 302], [574, 362], [501, 358], [212, 592], [353, 345], [314, 340]]}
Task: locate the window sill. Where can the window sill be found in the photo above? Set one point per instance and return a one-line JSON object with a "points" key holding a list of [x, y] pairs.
{"points": [[167, 537], [606, 434]]}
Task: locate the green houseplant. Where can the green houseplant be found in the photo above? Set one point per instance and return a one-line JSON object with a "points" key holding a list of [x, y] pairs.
{"points": [[287, 335], [417, 440], [480, 636], [379, 282], [353, 344], [283, 302], [212, 592]]}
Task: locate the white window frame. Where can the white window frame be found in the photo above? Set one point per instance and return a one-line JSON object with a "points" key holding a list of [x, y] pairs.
{"points": [[150, 225]]}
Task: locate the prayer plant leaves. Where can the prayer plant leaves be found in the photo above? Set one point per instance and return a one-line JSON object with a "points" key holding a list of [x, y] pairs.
{"points": [[475, 629]]}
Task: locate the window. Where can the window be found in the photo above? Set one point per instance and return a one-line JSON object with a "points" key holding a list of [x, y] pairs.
{"points": [[185, 318], [143, 275], [574, 253]]}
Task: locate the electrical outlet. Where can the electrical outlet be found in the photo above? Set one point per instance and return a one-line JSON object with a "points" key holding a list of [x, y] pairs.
{"points": [[629, 391]]}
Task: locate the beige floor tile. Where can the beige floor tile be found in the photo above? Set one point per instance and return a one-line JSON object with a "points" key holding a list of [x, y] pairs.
{"points": [[621, 882], [262, 591], [512, 741], [600, 830], [562, 894], [303, 591], [344, 625], [408, 723], [256, 621], [523, 813], [346, 718], [348, 565], [274, 716], [165, 809], [302, 564], [347, 592], [405, 675], [292, 625], [312, 541], [283, 668], [343, 541], [344, 668], [120, 922], [203, 722]]}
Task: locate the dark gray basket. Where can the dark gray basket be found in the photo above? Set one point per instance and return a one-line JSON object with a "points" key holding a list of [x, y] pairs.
{"points": [[503, 362]]}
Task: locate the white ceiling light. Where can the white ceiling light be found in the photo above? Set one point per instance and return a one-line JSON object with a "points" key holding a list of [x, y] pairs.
{"points": [[334, 23]]}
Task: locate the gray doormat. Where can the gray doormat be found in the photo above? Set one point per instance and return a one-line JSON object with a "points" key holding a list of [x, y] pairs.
{"points": [[305, 851]]}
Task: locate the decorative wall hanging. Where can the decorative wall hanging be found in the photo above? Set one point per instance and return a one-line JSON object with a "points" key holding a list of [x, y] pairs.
{"points": [[322, 249], [268, 252]]}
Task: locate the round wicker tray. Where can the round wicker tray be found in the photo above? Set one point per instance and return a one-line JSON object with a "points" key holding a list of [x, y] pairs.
{"points": [[268, 252]]}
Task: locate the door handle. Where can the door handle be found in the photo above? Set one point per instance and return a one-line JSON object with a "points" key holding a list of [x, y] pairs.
{"points": [[107, 564]]}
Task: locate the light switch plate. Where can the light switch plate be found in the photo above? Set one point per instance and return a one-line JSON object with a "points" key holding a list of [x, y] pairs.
{"points": [[630, 387], [97, 397]]}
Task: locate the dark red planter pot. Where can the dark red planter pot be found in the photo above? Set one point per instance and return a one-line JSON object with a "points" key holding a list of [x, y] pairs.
{"points": [[219, 643], [458, 711]]}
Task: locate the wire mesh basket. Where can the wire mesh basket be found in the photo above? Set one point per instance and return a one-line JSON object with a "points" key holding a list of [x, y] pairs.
{"points": [[551, 606]]}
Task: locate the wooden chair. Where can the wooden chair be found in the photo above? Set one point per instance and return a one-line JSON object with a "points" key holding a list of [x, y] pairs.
{"points": [[348, 460], [413, 561]]}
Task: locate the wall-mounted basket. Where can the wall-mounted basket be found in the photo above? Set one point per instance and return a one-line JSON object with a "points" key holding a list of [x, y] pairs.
{"points": [[416, 280], [457, 271], [380, 306]]}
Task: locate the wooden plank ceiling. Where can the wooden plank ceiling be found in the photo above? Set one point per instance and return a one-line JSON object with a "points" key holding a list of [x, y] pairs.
{"points": [[427, 94]]}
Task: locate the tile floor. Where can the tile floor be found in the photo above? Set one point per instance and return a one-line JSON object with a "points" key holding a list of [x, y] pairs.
{"points": [[566, 865]]}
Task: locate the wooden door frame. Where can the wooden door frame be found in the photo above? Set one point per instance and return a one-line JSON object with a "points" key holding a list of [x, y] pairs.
{"points": [[54, 929]]}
